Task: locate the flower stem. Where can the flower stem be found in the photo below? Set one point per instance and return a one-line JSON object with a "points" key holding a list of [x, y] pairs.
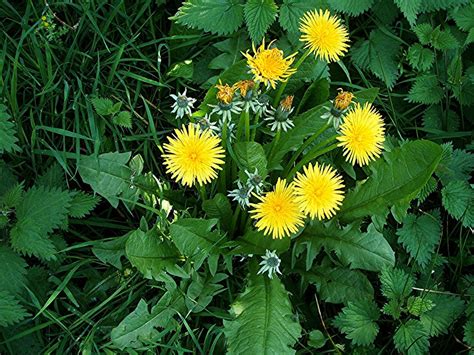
{"points": [[222, 175], [254, 131], [313, 154], [274, 143], [202, 192], [235, 217], [247, 125], [283, 85]]}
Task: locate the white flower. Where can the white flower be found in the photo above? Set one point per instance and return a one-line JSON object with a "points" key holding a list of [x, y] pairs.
{"points": [[241, 194], [333, 115], [270, 263], [262, 105], [230, 129], [226, 110], [279, 119], [182, 104], [254, 181], [205, 123]]}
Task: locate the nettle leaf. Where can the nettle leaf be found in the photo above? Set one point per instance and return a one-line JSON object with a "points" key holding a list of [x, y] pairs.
{"points": [[82, 204], [456, 164], [447, 309], [12, 276], [399, 177], [411, 338], [436, 5], [8, 139], [263, 322], [351, 7], [420, 235], [457, 196], [40, 212], [435, 115], [123, 119], [102, 106], [358, 321], [469, 332], [111, 251], [435, 37], [216, 16], [426, 90], [420, 58], [11, 311], [139, 327], [396, 284], [340, 285], [368, 251], [419, 305], [150, 253], [430, 187], [108, 174], [291, 12], [423, 31], [259, 15], [464, 17], [410, 9]]}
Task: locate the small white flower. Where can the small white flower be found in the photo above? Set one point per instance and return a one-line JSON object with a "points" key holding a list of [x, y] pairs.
{"points": [[262, 105], [241, 194], [333, 115], [254, 181], [270, 263], [279, 119], [205, 123], [226, 110], [230, 129], [182, 104]]}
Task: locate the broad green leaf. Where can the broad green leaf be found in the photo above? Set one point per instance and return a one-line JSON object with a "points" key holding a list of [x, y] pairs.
{"points": [[11, 311], [123, 119], [231, 49], [150, 253], [411, 338], [409, 8], [368, 251], [435, 37], [420, 58], [254, 242], [351, 7], [446, 310], [216, 16], [291, 12], [396, 284], [457, 196], [107, 174], [250, 156], [139, 327], [202, 290], [358, 321], [111, 251], [13, 271], [183, 70], [400, 176], [423, 32], [8, 139], [456, 164], [102, 106], [262, 319], [82, 204], [316, 339], [464, 17], [259, 15], [219, 207]]}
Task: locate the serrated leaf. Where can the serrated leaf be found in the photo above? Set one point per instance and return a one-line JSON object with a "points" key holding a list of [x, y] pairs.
{"points": [[351, 7], [419, 305], [423, 31], [107, 174], [411, 338], [396, 284], [358, 321], [403, 174], [447, 309], [430, 187], [426, 90], [102, 106], [123, 119], [436, 5], [11, 311], [435, 37], [216, 16], [8, 139], [456, 165], [262, 319], [12, 197], [420, 235], [40, 212], [464, 17], [457, 196], [409, 8], [469, 332], [259, 15], [13, 271], [82, 204], [291, 12], [111, 251], [434, 117], [420, 58], [150, 253], [53, 177]]}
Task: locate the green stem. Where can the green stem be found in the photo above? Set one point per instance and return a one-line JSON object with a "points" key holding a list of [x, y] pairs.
{"points": [[222, 175], [254, 131], [313, 154], [274, 143], [283, 85], [240, 126], [202, 192], [235, 217], [247, 125]]}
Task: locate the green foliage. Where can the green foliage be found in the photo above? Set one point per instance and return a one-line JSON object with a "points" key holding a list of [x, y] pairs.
{"points": [[409, 8], [358, 321], [396, 284], [82, 204], [292, 10], [411, 338], [426, 90], [259, 15], [457, 198], [254, 242], [262, 320], [8, 139], [446, 310], [419, 305], [351, 7], [12, 277], [112, 251], [106, 107], [10, 310], [420, 58]]}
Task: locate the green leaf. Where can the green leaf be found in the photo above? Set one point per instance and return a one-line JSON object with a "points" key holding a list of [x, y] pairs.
{"points": [[11, 311], [340, 285], [420, 58], [410, 9], [82, 204], [368, 251], [108, 174], [123, 119], [8, 139], [150, 253], [400, 176], [219, 207], [231, 49], [351, 7], [40, 212], [139, 327], [358, 321], [262, 319], [436, 5], [13, 196], [469, 332], [254, 242], [456, 164], [102, 106], [420, 235], [464, 17], [411, 338], [259, 15], [435, 37], [12, 276], [250, 156], [423, 31], [396, 284], [217, 16], [426, 90], [291, 12], [111, 252], [419, 305], [183, 70], [447, 309], [457, 196], [316, 339]]}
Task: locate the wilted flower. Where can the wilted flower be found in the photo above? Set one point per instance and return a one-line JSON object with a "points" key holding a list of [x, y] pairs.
{"points": [[241, 194], [182, 104], [270, 263], [226, 104], [248, 95], [279, 119], [339, 107]]}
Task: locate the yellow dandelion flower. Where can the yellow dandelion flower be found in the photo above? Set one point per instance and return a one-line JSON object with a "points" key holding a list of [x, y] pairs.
{"points": [[362, 135], [278, 213], [343, 99], [244, 86], [319, 191], [225, 93], [268, 65], [193, 156], [324, 35]]}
